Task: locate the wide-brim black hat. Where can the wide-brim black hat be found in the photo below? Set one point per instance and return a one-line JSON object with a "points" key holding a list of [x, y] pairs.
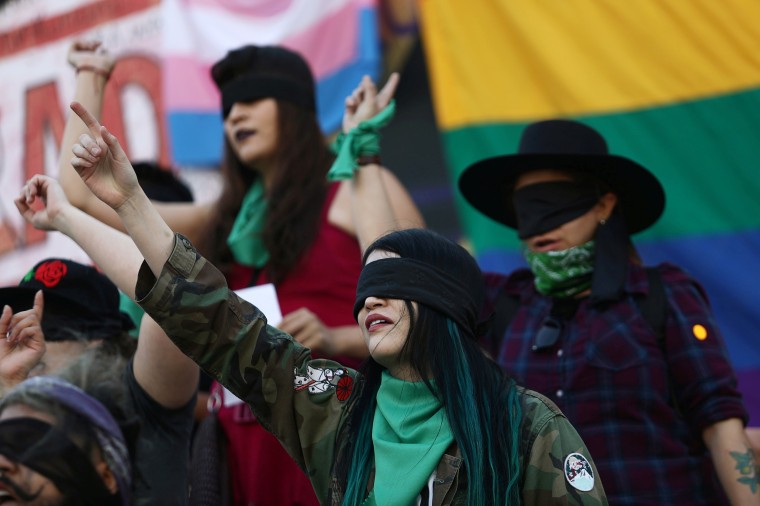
{"points": [[564, 145]]}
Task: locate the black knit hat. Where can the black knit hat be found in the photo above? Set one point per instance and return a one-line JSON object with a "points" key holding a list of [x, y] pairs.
{"points": [[278, 72], [570, 145], [80, 302]]}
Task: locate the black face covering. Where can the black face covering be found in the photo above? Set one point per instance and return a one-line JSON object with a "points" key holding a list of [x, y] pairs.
{"points": [[49, 452], [253, 86], [410, 279], [542, 207]]}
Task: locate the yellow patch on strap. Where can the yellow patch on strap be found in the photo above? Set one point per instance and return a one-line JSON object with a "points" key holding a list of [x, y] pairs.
{"points": [[699, 332]]}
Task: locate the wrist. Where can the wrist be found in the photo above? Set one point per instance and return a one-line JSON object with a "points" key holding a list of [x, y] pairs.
{"points": [[60, 221], [92, 69], [133, 205], [365, 159]]}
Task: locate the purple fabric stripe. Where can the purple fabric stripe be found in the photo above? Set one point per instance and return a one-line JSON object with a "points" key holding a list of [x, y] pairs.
{"points": [[749, 384]]}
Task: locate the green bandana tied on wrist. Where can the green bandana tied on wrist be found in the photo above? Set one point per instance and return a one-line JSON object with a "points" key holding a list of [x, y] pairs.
{"points": [[410, 434], [245, 239], [563, 273], [362, 140]]}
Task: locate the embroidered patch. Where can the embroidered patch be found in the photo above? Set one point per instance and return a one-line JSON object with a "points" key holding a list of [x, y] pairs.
{"points": [[578, 472], [318, 381]]}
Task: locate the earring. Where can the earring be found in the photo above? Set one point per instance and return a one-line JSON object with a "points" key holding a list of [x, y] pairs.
{"points": [[603, 221]]}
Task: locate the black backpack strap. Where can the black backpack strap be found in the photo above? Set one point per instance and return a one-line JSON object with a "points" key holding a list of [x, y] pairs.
{"points": [[654, 308], [504, 309]]}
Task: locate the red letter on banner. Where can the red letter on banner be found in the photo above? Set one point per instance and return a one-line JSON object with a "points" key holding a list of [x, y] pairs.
{"points": [[43, 114], [143, 72]]}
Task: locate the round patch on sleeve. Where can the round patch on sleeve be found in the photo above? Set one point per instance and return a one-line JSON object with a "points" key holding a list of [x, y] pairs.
{"points": [[578, 472]]}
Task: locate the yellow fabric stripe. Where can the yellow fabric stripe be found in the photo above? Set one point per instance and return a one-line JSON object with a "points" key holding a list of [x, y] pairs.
{"points": [[518, 60]]}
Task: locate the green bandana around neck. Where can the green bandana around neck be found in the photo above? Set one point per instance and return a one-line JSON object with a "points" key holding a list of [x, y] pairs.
{"points": [[245, 239], [363, 139], [563, 273], [410, 434]]}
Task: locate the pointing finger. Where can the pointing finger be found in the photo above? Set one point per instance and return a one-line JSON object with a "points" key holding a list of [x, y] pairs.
{"points": [[39, 304], [386, 94], [88, 119], [368, 87], [5, 320]]}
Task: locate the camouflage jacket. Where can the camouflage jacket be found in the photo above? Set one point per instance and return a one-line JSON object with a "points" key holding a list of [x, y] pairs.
{"points": [[303, 401]]}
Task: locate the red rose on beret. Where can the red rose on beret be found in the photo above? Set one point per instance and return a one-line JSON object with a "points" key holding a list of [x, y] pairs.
{"points": [[51, 273]]}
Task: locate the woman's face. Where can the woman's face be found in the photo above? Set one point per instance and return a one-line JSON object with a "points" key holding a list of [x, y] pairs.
{"points": [[573, 233], [251, 129], [21, 485], [18, 483], [385, 326]]}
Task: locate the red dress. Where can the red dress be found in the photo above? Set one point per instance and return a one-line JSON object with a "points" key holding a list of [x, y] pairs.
{"points": [[324, 281]]}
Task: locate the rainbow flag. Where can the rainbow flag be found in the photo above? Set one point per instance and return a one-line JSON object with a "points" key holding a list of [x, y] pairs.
{"points": [[673, 85], [339, 39]]}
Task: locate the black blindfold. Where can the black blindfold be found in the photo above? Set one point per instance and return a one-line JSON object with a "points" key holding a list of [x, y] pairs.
{"points": [[251, 87], [542, 207], [410, 279], [48, 451]]}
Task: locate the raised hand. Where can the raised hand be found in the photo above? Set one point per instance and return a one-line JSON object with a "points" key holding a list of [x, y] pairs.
{"points": [[22, 343], [90, 56], [101, 162], [49, 192], [365, 101]]}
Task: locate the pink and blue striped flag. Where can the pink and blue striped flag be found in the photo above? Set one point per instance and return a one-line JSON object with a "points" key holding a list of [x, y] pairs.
{"points": [[339, 39]]}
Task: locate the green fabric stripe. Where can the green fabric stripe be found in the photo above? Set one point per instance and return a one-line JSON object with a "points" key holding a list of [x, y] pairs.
{"points": [[704, 152]]}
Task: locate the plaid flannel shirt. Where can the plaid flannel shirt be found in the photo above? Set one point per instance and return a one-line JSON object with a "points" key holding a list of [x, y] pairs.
{"points": [[609, 375]]}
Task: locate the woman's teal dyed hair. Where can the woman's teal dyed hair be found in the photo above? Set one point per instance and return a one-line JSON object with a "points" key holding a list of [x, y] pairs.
{"points": [[480, 401]]}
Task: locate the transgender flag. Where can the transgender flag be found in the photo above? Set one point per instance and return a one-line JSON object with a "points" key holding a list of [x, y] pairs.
{"points": [[339, 38], [674, 85]]}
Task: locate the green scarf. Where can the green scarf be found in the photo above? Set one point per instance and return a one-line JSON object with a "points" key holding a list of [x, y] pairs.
{"points": [[410, 434], [245, 239], [363, 139], [563, 273]]}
